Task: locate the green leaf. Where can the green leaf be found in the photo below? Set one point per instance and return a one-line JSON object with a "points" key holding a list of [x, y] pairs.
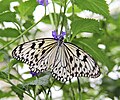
{"points": [[5, 75], [8, 17], [27, 8], [111, 87], [46, 19], [12, 63], [1, 57], [4, 56], [9, 32], [3, 42], [27, 24], [5, 94], [97, 6], [84, 25], [91, 46], [40, 81], [4, 5], [19, 90], [60, 2], [76, 9]]}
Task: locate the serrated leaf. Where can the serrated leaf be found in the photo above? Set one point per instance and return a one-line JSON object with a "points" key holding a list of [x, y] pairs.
{"points": [[84, 25], [9, 32], [90, 45], [8, 17], [96, 6], [5, 5], [27, 8]]}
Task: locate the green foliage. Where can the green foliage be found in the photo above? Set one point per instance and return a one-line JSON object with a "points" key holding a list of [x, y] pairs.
{"points": [[96, 6], [19, 90], [76, 9], [111, 87], [104, 31], [84, 25], [5, 76], [26, 8], [5, 94], [4, 5], [8, 17], [9, 32]]}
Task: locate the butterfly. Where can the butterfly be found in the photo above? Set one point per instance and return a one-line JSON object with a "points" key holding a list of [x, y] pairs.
{"points": [[63, 59]]}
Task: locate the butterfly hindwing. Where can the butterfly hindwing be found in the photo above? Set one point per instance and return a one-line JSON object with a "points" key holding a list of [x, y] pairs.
{"points": [[61, 67]]}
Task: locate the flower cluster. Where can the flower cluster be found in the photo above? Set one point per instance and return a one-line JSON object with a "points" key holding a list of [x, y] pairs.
{"points": [[56, 36]]}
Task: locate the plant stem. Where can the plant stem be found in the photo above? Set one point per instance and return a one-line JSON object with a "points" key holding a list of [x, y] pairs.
{"points": [[73, 94], [55, 17], [79, 89], [8, 81], [20, 35], [63, 16]]}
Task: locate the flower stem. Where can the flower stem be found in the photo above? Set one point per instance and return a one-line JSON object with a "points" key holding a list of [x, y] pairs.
{"points": [[55, 17], [63, 16]]}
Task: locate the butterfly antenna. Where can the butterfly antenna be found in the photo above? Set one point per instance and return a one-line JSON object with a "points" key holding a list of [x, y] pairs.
{"points": [[79, 89], [72, 90]]}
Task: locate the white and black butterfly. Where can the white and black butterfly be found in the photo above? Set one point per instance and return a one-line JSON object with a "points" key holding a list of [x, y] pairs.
{"points": [[63, 59]]}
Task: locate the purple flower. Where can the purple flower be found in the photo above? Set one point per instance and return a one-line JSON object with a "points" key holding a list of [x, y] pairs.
{"points": [[33, 73], [56, 36], [63, 33], [43, 2]]}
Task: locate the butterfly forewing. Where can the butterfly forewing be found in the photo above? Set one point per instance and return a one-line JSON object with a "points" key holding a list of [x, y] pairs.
{"points": [[37, 53]]}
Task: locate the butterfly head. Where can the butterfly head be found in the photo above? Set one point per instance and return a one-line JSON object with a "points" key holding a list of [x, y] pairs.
{"points": [[59, 37]]}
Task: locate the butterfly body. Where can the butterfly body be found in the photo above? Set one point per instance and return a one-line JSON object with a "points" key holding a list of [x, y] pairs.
{"points": [[65, 60]]}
